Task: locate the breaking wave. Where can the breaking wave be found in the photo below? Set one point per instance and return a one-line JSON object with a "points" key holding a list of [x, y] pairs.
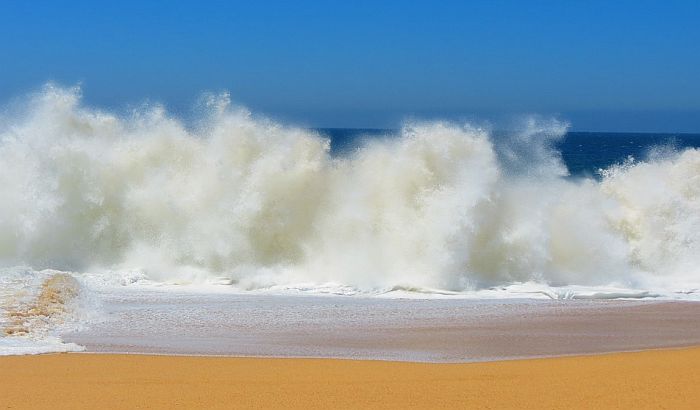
{"points": [[249, 201]]}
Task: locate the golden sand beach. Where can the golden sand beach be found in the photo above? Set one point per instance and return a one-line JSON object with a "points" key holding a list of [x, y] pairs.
{"points": [[650, 379]]}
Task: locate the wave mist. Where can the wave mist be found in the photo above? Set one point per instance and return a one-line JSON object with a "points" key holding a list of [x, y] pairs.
{"points": [[442, 205]]}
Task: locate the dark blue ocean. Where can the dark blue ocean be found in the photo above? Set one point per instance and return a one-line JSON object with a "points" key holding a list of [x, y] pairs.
{"points": [[584, 153]]}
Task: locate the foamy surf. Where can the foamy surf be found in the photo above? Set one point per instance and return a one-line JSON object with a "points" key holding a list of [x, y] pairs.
{"points": [[440, 206], [35, 308]]}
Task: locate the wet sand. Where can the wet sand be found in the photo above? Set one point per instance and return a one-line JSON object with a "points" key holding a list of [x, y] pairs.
{"points": [[370, 328], [650, 379]]}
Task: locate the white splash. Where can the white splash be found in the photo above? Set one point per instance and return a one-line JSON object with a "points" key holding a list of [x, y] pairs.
{"points": [[250, 202]]}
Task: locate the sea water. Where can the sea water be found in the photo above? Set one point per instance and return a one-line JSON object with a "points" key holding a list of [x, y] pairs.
{"points": [[234, 202]]}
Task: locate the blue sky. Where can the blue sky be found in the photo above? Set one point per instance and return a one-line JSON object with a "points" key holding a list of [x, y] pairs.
{"points": [[603, 65]]}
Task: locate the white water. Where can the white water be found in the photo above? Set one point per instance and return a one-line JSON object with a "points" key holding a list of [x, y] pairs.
{"points": [[258, 205], [36, 307], [262, 204]]}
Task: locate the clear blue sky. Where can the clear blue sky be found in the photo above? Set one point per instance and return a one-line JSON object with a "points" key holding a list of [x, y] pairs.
{"points": [[604, 65]]}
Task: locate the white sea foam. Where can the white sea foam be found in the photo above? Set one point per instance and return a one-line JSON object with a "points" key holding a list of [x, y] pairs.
{"points": [[35, 307], [247, 201]]}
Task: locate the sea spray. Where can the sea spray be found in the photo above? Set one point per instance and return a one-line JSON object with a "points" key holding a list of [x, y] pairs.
{"points": [[440, 206]]}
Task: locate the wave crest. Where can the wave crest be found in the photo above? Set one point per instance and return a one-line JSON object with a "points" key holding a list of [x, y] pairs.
{"points": [[441, 206]]}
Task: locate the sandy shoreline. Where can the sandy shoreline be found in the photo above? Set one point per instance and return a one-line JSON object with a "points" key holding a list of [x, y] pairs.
{"points": [[649, 379], [425, 354]]}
